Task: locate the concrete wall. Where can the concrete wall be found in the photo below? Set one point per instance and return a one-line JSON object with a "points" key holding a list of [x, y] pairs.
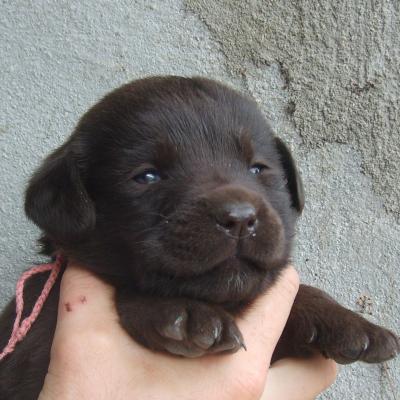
{"points": [[326, 74]]}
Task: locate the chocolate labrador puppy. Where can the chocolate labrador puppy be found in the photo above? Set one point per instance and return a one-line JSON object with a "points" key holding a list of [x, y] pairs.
{"points": [[176, 191]]}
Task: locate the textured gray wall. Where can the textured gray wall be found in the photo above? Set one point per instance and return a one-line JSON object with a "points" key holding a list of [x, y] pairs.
{"points": [[326, 75]]}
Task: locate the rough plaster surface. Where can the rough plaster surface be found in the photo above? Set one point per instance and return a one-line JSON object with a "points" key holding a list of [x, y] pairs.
{"points": [[326, 75], [340, 61]]}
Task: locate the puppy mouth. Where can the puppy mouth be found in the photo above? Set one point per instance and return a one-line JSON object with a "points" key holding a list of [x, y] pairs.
{"points": [[232, 280], [238, 262]]}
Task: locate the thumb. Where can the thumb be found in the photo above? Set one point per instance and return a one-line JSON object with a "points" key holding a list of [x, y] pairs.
{"points": [[85, 332], [263, 323]]}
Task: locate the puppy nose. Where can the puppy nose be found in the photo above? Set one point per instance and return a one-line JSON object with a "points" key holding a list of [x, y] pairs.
{"points": [[237, 219]]}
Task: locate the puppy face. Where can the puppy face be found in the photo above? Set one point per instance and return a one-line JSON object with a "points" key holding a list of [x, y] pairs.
{"points": [[174, 185]]}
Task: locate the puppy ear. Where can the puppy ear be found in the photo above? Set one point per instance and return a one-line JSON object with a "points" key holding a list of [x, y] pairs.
{"points": [[56, 199], [294, 182]]}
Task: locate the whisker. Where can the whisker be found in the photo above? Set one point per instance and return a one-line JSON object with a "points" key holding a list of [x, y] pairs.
{"points": [[158, 215], [151, 243]]}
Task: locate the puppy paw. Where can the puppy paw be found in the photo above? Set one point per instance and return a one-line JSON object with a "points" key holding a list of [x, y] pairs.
{"points": [[317, 323], [192, 329], [351, 338], [179, 326]]}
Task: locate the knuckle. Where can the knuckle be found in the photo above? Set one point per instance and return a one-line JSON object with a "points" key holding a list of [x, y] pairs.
{"points": [[330, 371], [250, 385], [291, 279]]}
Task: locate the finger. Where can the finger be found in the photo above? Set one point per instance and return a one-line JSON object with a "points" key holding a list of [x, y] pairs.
{"points": [[266, 318], [307, 378], [85, 300], [87, 320]]}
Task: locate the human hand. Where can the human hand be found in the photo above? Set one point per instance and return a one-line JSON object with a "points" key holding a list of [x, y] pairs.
{"points": [[92, 357]]}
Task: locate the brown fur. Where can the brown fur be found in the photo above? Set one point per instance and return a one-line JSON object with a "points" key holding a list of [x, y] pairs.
{"points": [[176, 191]]}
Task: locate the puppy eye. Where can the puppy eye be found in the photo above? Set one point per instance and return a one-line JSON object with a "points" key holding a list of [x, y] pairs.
{"points": [[148, 177], [257, 168]]}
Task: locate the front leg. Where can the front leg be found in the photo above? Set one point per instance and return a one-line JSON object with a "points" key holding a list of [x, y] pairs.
{"points": [[179, 326], [317, 323]]}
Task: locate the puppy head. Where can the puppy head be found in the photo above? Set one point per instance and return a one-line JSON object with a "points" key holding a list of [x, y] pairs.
{"points": [[177, 186]]}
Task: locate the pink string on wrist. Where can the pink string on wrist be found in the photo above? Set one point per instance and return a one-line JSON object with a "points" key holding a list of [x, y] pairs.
{"points": [[20, 329]]}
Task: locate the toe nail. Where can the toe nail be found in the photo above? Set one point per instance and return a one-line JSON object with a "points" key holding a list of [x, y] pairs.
{"points": [[312, 337], [366, 345], [217, 331], [239, 340], [174, 331]]}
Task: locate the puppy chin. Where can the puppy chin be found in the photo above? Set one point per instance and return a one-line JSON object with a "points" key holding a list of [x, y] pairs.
{"points": [[234, 281]]}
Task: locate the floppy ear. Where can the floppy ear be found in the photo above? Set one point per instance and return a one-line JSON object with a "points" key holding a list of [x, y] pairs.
{"points": [[294, 182], [56, 199]]}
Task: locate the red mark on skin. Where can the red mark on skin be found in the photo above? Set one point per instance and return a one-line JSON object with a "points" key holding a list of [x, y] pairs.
{"points": [[68, 307], [83, 299]]}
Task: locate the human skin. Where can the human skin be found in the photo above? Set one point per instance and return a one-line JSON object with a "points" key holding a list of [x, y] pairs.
{"points": [[92, 357]]}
